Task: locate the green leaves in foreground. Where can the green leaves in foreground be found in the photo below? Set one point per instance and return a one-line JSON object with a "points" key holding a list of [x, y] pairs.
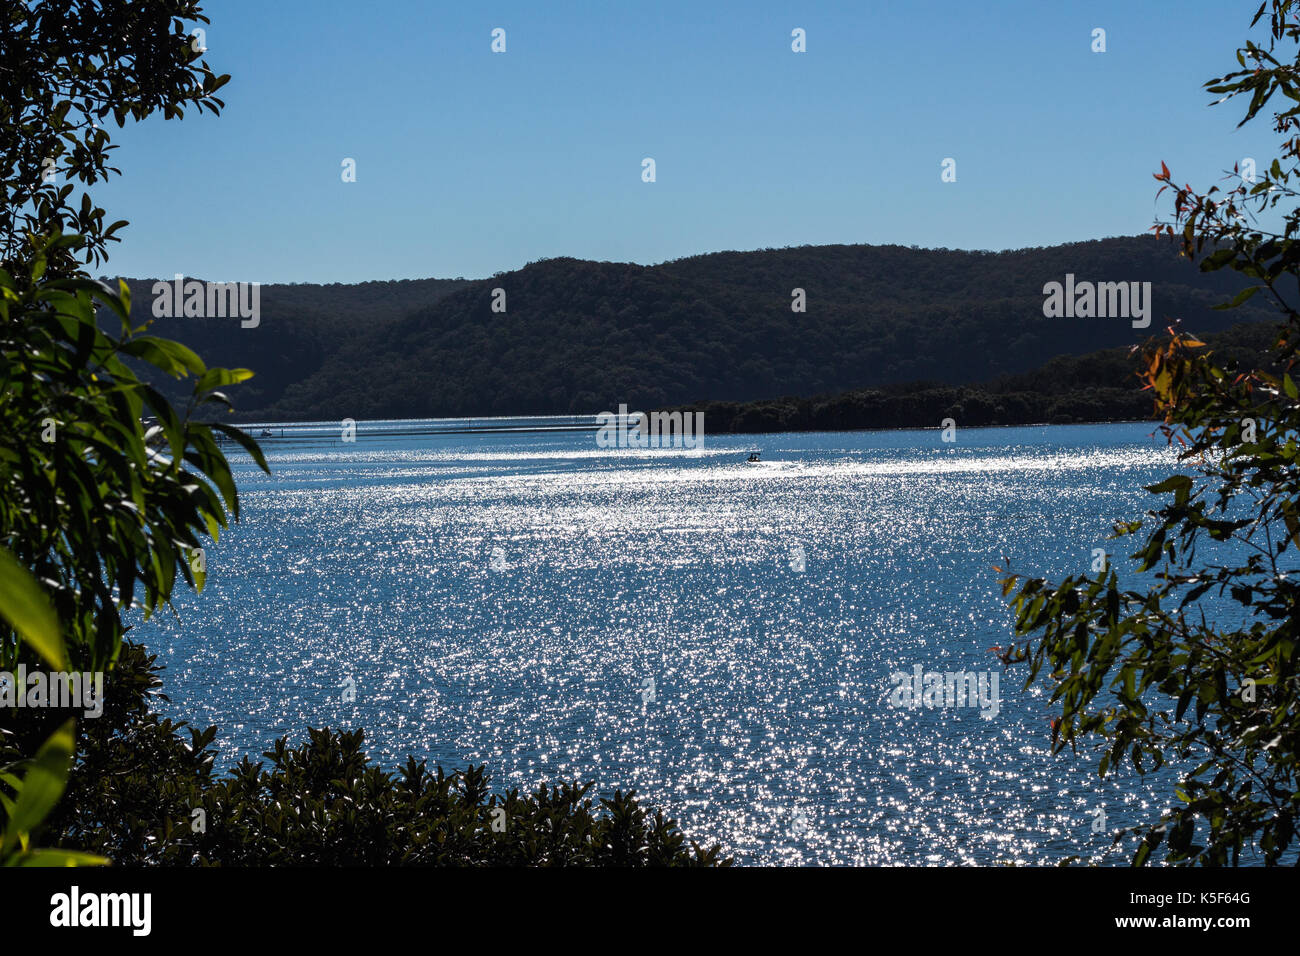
{"points": [[105, 492], [105, 488], [24, 605], [93, 507], [35, 795], [1197, 662]]}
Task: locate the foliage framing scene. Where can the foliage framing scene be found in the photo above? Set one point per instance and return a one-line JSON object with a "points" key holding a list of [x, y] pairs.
{"points": [[973, 556]]}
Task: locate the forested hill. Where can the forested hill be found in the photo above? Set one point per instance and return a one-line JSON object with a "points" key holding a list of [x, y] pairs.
{"points": [[300, 326], [581, 336], [1097, 387]]}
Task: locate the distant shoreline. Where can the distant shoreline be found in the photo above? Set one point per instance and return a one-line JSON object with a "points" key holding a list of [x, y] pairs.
{"points": [[308, 431], [928, 428]]}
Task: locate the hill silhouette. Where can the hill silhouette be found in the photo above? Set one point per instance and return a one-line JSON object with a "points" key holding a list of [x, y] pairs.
{"points": [[582, 337]]}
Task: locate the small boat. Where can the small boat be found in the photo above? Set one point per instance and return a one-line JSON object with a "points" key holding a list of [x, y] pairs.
{"points": [[754, 458], [266, 433]]}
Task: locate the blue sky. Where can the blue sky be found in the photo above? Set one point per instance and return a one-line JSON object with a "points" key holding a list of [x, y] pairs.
{"points": [[470, 162]]}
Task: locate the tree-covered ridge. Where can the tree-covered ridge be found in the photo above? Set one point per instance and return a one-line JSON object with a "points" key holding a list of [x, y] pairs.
{"points": [[582, 336], [300, 326], [1070, 389]]}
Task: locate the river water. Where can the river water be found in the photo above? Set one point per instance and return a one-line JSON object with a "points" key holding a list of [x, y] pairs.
{"points": [[718, 635]]}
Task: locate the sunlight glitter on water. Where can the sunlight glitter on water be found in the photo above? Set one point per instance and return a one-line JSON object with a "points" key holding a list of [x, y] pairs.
{"points": [[506, 600]]}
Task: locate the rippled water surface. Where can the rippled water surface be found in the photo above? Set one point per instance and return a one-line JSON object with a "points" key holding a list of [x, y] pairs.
{"points": [[769, 728]]}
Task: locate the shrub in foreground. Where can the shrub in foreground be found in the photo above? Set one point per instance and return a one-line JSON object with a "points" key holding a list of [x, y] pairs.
{"points": [[142, 792]]}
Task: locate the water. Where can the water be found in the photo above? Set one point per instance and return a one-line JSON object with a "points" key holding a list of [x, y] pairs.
{"points": [[509, 598]]}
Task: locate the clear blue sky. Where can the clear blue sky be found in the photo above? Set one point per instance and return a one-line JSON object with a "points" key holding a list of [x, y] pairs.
{"points": [[470, 162]]}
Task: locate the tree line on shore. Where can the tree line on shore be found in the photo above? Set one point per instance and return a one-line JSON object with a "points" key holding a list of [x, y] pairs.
{"points": [[1102, 386]]}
